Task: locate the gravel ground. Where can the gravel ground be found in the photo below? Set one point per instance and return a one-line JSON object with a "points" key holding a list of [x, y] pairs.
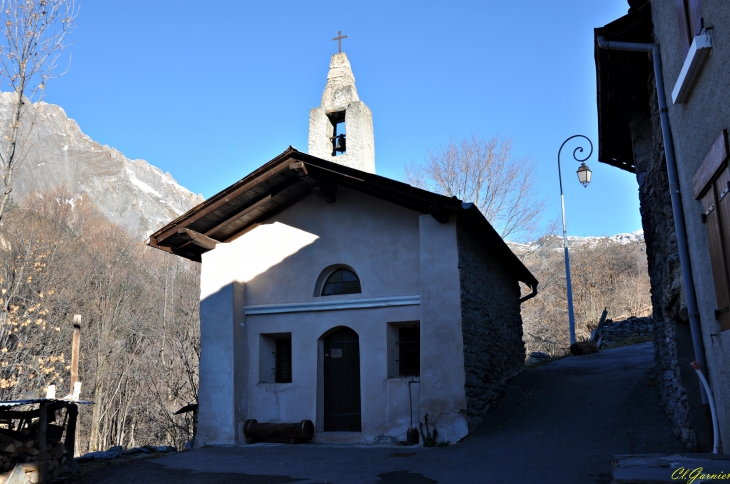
{"points": [[557, 423]]}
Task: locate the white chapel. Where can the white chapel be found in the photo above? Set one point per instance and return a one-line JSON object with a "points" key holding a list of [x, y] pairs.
{"points": [[332, 294]]}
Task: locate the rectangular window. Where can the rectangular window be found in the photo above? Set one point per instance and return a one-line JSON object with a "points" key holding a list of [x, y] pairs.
{"points": [[409, 351], [404, 349], [283, 360], [275, 358]]}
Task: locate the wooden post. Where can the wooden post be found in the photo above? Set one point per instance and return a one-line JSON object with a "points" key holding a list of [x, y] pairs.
{"points": [[195, 424], [42, 445], [75, 348], [70, 442], [596, 332]]}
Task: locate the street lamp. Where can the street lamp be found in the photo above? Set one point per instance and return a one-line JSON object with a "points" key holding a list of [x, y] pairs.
{"points": [[584, 176]]}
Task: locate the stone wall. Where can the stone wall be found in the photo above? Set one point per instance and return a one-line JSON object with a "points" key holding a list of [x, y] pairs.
{"points": [[667, 295], [491, 325], [614, 332]]}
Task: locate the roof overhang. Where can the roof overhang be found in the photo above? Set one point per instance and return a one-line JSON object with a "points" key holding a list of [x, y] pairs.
{"points": [[622, 80], [288, 179]]}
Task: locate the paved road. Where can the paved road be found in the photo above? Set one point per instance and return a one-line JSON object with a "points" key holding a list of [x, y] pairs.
{"points": [[558, 423]]}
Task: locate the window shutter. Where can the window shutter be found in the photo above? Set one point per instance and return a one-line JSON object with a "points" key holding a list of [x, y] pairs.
{"points": [[711, 185], [722, 286], [716, 216], [689, 16], [694, 9], [685, 37]]}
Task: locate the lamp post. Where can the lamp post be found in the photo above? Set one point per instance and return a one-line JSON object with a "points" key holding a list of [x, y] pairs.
{"points": [[584, 176]]}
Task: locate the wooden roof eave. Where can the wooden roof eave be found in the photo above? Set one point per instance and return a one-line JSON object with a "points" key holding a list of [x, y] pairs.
{"points": [[621, 85], [302, 174]]}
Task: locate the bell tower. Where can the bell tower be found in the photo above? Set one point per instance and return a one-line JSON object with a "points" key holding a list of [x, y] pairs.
{"points": [[341, 128]]}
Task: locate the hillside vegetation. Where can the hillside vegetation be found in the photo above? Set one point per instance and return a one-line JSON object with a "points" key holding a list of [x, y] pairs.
{"points": [[140, 326], [609, 272]]}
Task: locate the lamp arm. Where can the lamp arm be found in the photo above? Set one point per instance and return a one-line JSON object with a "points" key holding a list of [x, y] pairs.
{"points": [[575, 155]]}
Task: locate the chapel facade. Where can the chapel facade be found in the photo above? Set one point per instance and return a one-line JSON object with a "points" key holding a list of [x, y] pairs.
{"points": [[332, 294]]}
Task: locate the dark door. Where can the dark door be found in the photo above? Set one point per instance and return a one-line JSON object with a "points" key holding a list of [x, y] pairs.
{"points": [[342, 381]]}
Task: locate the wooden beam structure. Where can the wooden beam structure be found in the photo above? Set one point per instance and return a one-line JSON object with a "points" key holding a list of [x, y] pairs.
{"points": [[196, 238], [42, 444], [324, 189], [264, 201]]}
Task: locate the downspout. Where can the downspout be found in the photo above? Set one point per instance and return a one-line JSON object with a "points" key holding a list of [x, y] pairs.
{"points": [[677, 211], [531, 295], [715, 427]]}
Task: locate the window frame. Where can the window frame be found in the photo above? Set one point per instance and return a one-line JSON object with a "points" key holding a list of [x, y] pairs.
{"points": [[343, 270], [272, 347], [395, 349]]}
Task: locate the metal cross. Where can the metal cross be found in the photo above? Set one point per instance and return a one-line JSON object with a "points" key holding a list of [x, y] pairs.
{"points": [[339, 40]]}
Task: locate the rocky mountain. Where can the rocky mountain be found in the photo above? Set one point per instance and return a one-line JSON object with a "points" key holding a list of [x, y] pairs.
{"points": [[130, 193]]}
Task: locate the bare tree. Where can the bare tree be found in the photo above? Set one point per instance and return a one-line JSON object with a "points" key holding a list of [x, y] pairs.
{"points": [[34, 33], [486, 173], [140, 343]]}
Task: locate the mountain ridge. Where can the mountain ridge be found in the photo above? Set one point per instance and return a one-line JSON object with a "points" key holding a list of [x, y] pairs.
{"points": [[576, 241], [131, 193]]}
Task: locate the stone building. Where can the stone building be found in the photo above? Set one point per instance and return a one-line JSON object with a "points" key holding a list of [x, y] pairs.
{"points": [[332, 294], [693, 39]]}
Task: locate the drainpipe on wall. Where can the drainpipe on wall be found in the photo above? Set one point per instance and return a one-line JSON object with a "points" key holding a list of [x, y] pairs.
{"points": [[678, 212], [529, 296]]}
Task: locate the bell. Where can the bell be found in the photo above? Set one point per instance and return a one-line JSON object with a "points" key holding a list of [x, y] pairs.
{"points": [[340, 147]]}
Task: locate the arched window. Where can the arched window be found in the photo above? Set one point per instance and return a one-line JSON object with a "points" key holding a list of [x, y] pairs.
{"points": [[341, 281]]}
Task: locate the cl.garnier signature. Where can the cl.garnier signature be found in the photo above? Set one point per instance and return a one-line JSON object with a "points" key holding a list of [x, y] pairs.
{"points": [[691, 475]]}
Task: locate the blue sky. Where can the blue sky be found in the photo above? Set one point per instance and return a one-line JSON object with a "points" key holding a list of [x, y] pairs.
{"points": [[211, 90]]}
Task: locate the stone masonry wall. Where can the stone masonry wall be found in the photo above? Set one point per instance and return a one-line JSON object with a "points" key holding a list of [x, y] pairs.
{"points": [[491, 325], [665, 275], [614, 332]]}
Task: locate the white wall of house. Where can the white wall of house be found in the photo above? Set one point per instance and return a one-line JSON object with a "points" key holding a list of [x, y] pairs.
{"points": [[266, 282]]}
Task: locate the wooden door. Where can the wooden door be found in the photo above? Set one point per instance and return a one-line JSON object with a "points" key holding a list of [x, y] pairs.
{"points": [[342, 381]]}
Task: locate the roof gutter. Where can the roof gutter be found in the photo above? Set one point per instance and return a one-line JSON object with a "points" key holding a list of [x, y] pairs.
{"points": [[676, 199]]}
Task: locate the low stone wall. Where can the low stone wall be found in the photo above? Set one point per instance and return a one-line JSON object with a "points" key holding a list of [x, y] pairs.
{"points": [[491, 326], [614, 332]]}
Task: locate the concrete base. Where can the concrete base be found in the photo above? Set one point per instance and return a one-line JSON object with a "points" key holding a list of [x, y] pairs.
{"points": [[338, 437]]}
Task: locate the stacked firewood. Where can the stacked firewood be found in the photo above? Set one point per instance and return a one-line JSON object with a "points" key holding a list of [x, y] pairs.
{"points": [[22, 448]]}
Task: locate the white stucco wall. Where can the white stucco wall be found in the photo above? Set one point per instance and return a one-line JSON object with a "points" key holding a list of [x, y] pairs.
{"points": [[396, 253], [442, 373], [225, 351]]}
